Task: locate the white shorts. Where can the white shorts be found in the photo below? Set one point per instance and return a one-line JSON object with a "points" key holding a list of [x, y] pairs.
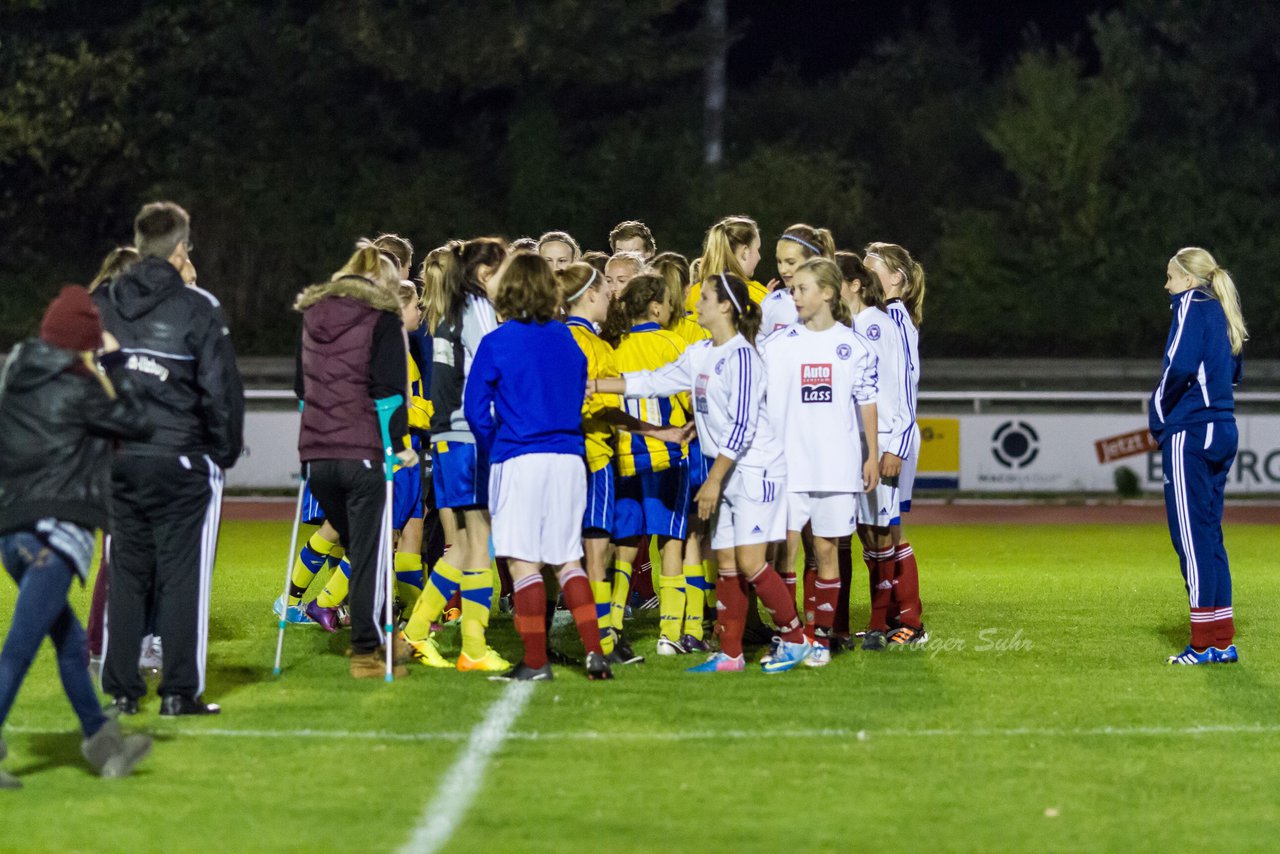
{"points": [[537, 502], [752, 510], [879, 508], [907, 479], [833, 514]]}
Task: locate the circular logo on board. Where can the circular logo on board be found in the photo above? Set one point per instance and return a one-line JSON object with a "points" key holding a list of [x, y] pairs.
{"points": [[1015, 444]]}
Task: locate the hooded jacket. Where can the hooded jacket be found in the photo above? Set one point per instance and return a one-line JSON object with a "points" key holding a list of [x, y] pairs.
{"points": [[1199, 370], [352, 353], [177, 347], [57, 424]]}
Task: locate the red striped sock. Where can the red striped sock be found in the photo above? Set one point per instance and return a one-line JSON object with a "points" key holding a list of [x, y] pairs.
{"points": [[580, 602], [810, 598], [1224, 627], [1203, 628], [884, 563], [825, 592], [780, 605], [906, 587], [731, 612], [530, 611]]}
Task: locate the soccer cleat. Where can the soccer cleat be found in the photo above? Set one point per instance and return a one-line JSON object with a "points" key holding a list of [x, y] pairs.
{"points": [[506, 603], [719, 662], [904, 635], [666, 646], [622, 651], [524, 673], [490, 663], [839, 643], [820, 657], [1190, 656], [426, 652], [786, 655], [692, 644], [325, 618], [598, 667], [874, 641], [1230, 655], [291, 614], [344, 616], [173, 705], [151, 656]]}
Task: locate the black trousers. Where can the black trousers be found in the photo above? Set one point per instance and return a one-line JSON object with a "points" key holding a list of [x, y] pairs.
{"points": [[165, 515], [352, 494]]}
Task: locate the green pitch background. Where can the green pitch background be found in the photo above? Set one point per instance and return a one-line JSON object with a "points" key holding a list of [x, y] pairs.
{"points": [[1039, 717]]}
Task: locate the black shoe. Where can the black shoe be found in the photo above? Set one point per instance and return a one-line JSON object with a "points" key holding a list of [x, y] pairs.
{"points": [[176, 704], [874, 641], [555, 656], [623, 651], [598, 667], [524, 673], [122, 706]]}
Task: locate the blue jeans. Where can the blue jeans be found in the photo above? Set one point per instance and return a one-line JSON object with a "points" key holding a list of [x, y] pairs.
{"points": [[44, 578]]}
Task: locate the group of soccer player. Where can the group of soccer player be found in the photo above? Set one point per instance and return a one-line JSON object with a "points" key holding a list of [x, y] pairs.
{"points": [[730, 426]]}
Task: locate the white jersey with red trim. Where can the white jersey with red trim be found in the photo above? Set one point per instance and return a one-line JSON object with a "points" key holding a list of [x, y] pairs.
{"points": [[728, 387], [882, 335], [816, 382], [908, 445]]}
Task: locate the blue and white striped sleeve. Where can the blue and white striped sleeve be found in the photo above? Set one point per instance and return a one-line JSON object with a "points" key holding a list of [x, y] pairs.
{"points": [[866, 380], [744, 378]]}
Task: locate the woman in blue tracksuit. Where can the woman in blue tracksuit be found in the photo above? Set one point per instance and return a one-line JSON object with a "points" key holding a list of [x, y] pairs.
{"points": [[1191, 415]]}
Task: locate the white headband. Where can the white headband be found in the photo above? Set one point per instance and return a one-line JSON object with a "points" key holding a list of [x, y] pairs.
{"points": [[728, 290], [584, 288]]}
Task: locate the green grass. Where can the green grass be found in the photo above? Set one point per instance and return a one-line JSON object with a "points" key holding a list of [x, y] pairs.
{"points": [[1073, 738]]}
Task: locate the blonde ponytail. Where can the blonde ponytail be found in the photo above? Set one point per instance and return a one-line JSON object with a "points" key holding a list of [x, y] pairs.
{"points": [[722, 242], [1201, 266]]}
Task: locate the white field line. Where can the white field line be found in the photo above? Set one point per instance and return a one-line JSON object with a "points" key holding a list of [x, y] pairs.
{"points": [[837, 733], [458, 788]]}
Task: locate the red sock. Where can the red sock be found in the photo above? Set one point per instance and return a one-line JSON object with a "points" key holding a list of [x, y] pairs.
{"points": [[1203, 628], [531, 610], [870, 561], [579, 601], [731, 612], [789, 579], [780, 605], [845, 556], [826, 593], [881, 589], [1224, 627], [906, 588], [810, 597]]}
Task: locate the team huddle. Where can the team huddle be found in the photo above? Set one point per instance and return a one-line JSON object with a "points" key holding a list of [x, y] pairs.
{"points": [[575, 408]]}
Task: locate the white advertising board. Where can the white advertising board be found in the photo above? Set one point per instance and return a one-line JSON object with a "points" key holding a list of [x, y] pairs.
{"points": [[1080, 453], [270, 458]]}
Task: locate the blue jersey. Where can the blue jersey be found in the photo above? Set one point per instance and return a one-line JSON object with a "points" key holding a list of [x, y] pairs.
{"points": [[525, 389], [1199, 368]]}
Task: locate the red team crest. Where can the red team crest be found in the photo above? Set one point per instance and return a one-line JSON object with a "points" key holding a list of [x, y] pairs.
{"points": [[815, 383]]}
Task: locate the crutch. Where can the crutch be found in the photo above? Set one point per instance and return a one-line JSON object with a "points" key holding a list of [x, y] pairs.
{"points": [[386, 561], [288, 573]]}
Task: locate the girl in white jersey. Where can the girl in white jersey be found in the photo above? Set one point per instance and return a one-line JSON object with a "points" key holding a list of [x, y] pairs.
{"points": [[743, 494], [903, 281], [820, 374], [797, 244]]}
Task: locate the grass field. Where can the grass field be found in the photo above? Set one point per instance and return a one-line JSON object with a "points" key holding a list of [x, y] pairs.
{"points": [[1039, 717]]}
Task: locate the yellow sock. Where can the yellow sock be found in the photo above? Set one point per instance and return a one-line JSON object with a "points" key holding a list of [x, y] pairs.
{"points": [[621, 590], [335, 589], [670, 606], [408, 578], [445, 580], [310, 559], [602, 593], [709, 573], [695, 595], [477, 600]]}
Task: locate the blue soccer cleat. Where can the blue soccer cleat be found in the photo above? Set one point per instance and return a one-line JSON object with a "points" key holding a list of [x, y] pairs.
{"points": [[1230, 655], [786, 655], [1190, 656], [719, 663], [292, 614]]}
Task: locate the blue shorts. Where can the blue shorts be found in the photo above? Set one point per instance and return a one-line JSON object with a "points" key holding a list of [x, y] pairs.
{"points": [[600, 501], [312, 513], [460, 475], [406, 493], [654, 503]]}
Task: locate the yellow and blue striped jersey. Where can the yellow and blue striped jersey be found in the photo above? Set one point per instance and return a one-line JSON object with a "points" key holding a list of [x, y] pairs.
{"points": [[420, 408], [689, 329], [600, 363], [646, 348], [755, 290]]}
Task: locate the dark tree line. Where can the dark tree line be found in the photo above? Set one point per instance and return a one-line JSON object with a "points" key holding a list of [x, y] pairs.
{"points": [[1044, 196]]}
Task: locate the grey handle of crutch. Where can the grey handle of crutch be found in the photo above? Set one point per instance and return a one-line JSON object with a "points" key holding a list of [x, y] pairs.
{"points": [[288, 572], [386, 408]]}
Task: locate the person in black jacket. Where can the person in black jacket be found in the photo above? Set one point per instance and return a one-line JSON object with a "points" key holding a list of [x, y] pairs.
{"points": [[167, 489], [58, 418]]}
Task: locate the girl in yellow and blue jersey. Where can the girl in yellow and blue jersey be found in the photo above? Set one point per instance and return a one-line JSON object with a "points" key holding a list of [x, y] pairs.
{"points": [[732, 246], [653, 475]]}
